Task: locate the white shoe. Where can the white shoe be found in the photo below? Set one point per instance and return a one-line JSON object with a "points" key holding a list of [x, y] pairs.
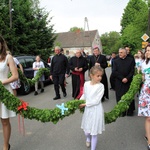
{"points": [[88, 144]]}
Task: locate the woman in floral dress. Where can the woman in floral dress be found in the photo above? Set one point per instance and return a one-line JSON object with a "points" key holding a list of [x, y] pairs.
{"points": [[144, 97]]}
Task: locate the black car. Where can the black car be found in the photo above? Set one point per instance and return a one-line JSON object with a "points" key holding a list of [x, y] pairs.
{"points": [[27, 62]]}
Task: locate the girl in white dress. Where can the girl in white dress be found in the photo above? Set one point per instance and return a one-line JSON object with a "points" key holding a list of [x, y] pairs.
{"points": [[93, 118], [7, 64], [139, 59], [144, 97], [36, 66]]}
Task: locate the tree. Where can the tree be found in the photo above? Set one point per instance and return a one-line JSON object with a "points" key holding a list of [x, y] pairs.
{"points": [[110, 42], [31, 32], [133, 8], [136, 26], [76, 29]]}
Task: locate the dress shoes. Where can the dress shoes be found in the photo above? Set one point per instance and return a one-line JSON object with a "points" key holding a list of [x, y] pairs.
{"points": [[42, 90], [145, 137], [35, 93], [65, 94], [103, 99], [9, 147], [123, 114], [57, 97], [112, 89], [130, 113]]}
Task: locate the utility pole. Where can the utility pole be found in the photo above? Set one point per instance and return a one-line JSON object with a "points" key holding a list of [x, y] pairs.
{"points": [[148, 27], [86, 24], [148, 17], [10, 23], [10, 13]]}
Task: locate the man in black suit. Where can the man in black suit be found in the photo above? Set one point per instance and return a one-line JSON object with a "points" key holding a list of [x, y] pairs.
{"points": [[97, 59], [123, 71], [59, 70]]}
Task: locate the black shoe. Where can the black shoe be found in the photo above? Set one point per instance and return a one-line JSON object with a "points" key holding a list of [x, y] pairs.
{"points": [[57, 97], [65, 94], [123, 114], [42, 90], [103, 99], [129, 113], [9, 147], [148, 146], [145, 137], [112, 89], [36, 93]]}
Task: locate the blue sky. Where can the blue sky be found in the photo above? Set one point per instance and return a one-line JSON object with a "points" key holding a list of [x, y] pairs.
{"points": [[104, 15]]}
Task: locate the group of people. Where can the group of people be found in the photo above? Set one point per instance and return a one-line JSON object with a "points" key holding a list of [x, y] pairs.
{"points": [[93, 91], [77, 65], [123, 69]]}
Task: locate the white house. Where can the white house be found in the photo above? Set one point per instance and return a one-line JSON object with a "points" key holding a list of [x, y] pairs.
{"points": [[70, 41]]}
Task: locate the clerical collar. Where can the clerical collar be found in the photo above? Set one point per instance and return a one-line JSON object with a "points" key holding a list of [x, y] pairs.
{"points": [[124, 57], [79, 56], [58, 54], [96, 56]]}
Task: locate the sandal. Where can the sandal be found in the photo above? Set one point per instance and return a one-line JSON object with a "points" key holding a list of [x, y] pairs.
{"points": [[145, 137]]}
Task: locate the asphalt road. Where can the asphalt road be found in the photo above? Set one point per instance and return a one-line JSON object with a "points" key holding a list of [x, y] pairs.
{"points": [[127, 133]]}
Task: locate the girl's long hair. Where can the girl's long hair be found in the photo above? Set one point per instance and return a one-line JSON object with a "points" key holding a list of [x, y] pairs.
{"points": [[147, 59], [3, 49]]}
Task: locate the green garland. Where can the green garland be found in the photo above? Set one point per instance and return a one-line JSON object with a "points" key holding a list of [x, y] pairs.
{"points": [[54, 115], [125, 101], [40, 72]]}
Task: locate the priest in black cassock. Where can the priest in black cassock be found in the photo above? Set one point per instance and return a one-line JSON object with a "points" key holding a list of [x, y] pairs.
{"points": [[123, 70], [78, 66], [97, 59]]}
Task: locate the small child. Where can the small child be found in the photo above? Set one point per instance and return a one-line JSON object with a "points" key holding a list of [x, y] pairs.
{"points": [[93, 118], [36, 66]]}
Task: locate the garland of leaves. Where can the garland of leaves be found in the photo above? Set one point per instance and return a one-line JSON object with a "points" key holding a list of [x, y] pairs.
{"points": [[125, 101], [40, 72], [54, 115]]}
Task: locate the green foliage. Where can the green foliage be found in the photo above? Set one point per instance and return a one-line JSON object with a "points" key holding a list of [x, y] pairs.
{"points": [[40, 72], [132, 11], [54, 115], [31, 31], [43, 115], [76, 29], [125, 101], [110, 42], [134, 24]]}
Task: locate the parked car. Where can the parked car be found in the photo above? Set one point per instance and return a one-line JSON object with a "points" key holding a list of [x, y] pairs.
{"points": [[27, 61]]}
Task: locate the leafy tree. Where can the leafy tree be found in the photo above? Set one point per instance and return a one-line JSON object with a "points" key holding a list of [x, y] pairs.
{"points": [[110, 42], [31, 32], [133, 8], [134, 29], [76, 29]]}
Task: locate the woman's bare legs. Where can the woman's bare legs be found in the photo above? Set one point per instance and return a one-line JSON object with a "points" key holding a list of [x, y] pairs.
{"points": [[15, 92], [6, 132]]}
